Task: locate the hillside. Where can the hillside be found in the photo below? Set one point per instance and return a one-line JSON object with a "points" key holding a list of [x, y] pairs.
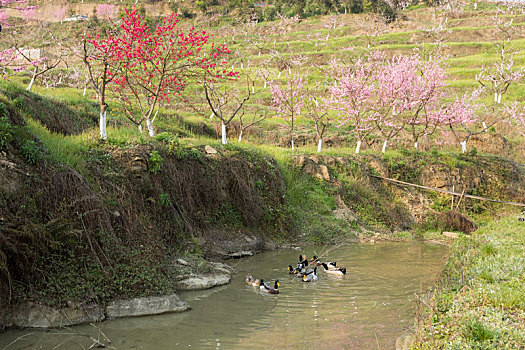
{"points": [[85, 220]]}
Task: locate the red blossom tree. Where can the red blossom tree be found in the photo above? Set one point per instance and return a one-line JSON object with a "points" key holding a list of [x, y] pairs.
{"points": [[156, 65]]}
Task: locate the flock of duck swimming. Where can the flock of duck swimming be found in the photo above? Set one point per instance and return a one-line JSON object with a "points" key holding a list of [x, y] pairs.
{"points": [[301, 271]]}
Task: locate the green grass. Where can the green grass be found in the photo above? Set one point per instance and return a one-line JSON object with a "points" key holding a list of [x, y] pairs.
{"points": [[480, 300], [68, 150]]}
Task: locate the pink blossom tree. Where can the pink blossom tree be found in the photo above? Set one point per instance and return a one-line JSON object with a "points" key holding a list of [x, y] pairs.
{"points": [[462, 117], [8, 55], [105, 11], [516, 117], [61, 12], [318, 108], [353, 94], [288, 100]]}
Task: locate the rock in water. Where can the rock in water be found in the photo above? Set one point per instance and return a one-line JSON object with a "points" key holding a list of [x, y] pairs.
{"points": [[146, 306]]}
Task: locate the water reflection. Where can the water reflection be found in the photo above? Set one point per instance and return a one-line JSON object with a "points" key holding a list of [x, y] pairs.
{"points": [[367, 308]]}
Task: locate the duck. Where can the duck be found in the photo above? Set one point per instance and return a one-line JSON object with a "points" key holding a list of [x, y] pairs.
{"points": [[314, 260], [272, 290], [303, 261], [334, 271], [252, 281], [311, 276]]}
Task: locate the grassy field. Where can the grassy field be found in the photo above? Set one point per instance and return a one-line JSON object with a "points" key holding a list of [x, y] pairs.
{"points": [[479, 302]]}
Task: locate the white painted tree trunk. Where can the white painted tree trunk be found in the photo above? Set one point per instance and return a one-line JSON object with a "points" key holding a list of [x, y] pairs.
{"points": [[484, 126], [103, 131], [278, 76], [320, 146], [240, 135], [265, 82], [475, 6], [415, 145], [140, 128], [85, 90], [384, 146], [499, 98], [31, 84], [149, 124], [223, 127], [358, 147], [463, 146], [293, 146]]}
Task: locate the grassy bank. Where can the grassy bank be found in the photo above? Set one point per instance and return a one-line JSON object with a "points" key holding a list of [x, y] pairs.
{"points": [[479, 302]]}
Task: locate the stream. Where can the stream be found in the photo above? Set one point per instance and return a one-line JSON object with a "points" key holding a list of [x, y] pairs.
{"points": [[368, 308]]}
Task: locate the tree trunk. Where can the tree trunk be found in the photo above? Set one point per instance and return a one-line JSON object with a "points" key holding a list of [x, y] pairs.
{"points": [[149, 124], [31, 82], [415, 145], [463, 146], [240, 135], [140, 128], [223, 127], [384, 146], [320, 145], [293, 146], [85, 90], [358, 147], [103, 122]]}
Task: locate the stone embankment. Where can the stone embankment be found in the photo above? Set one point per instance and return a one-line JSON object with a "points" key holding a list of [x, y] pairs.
{"points": [[34, 315]]}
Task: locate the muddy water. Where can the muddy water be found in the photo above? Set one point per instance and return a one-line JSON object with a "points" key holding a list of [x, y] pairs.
{"points": [[366, 309]]}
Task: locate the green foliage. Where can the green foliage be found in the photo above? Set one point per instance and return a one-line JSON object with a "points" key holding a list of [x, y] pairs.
{"points": [[477, 331], [176, 149], [164, 200], [4, 113], [155, 162], [195, 154], [165, 137], [31, 151], [6, 132]]}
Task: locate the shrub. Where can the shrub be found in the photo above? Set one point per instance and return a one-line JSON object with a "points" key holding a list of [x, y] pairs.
{"points": [[6, 132], [164, 199], [31, 151], [155, 162], [165, 137], [176, 149]]}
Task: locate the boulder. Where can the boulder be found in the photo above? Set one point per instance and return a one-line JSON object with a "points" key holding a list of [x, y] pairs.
{"points": [[146, 306], [32, 315], [210, 150], [457, 222], [323, 173], [240, 254], [450, 234], [203, 281], [404, 342]]}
